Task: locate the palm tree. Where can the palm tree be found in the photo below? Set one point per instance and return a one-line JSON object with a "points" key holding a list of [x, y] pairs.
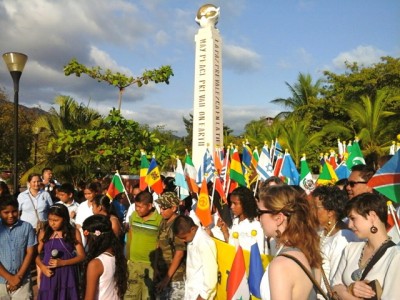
{"points": [[304, 93]]}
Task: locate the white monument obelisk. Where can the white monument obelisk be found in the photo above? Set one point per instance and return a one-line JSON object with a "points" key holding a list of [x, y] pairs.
{"points": [[207, 108]]}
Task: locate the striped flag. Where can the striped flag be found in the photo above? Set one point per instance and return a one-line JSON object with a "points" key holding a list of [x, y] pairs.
{"points": [[144, 166], [116, 187], [190, 174], [278, 165], [207, 168], [264, 166], [236, 172], [180, 180], [306, 180], [387, 179], [153, 178]]}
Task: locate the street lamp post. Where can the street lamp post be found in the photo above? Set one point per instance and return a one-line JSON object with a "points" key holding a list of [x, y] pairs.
{"points": [[15, 63]]}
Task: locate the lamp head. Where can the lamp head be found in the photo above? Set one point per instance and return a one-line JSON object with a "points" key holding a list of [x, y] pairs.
{"points": [[15, 61]]}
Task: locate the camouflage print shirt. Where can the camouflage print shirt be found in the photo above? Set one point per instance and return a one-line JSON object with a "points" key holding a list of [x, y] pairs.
{"points": [[168, 244]]}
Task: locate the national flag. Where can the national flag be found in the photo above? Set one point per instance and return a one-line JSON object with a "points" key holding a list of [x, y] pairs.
{"points": [[218, 158], [264, 166], [340, 150], [116, 186], [153, 178], [237, 286], [355, 156], [256, 271], [203, 211], [190, 174], [393, 223], [392, 149], [272, 152], [180, 180], [289, 170], [249, 165], [278, 165], [332, 159], [327, 176], [306, 180], [387, 179], [342, 171], [144, 167], [236, 172], [219, 189], [255, 154], [206, 169]]}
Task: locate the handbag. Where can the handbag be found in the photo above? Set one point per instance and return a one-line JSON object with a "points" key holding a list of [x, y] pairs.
{"points": [[331, 295]]}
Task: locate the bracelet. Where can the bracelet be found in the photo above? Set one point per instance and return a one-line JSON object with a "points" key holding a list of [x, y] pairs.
{"points": [[350, 289]]}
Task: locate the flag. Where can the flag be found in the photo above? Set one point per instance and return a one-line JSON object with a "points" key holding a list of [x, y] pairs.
{"points": [[116, 186], [180, 180], [144, 167], [392, 149], [278, 165], [236, 172], [332, 159], [387, 179], [255, 154], [207, 168], [340, 150], [203, 211], [249, 165], [237, 286], [218, 158], [355, 155], [190, 174], [219, 188], [306, 180], [256, 271], [327, 176], [342, 171], [264, 166], [392, 224], [289, 170], [153, 178]]}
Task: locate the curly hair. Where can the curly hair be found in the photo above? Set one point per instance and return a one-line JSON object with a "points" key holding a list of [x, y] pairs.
{"points": [[332, 198], [301, 226], [68, 231], [97, 244], [247, 201]]}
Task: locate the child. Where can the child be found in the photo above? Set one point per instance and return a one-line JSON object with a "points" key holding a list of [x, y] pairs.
{"points": [[18, 242], [103, 206], [85, 208], [65, 193], [105, 268], [201, 261], [62, 249]]}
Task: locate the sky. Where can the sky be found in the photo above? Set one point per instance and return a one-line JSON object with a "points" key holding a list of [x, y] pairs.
{"points": [[265, 44]]}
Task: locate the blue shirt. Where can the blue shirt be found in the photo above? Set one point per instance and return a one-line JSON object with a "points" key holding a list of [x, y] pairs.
{"points": [[14, 242], [28, 203]]}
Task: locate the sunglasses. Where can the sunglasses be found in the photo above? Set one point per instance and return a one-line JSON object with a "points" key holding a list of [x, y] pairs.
{"points": [[260, 212], [353, 183]]}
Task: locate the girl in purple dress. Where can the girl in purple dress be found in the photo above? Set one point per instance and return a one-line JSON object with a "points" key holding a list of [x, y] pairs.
{"points": [[60, 250]]}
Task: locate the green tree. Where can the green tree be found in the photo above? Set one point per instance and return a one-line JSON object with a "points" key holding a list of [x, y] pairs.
{"points": [[121, 81], [304, 94]]}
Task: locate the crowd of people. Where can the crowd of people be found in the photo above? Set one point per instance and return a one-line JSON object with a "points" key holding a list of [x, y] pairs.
{"points": [[331, 242]]}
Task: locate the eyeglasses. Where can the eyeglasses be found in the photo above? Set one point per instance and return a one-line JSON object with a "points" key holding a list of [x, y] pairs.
{"points": [[353, 183], [260, 212]]}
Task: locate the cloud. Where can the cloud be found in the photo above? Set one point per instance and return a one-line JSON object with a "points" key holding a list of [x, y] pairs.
{"points": [[363, 55], [240, 59]]}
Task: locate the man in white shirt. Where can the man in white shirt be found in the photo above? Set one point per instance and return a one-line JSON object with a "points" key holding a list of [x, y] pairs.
{"points": [[201, 261]]}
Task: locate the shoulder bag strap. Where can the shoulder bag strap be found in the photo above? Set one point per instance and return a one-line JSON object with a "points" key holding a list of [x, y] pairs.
{"points": [[376, 257], [33, 204], [315, 283]]}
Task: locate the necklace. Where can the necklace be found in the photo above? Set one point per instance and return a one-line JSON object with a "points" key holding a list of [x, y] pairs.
{"points": [[356, 275], [327, 235]]}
